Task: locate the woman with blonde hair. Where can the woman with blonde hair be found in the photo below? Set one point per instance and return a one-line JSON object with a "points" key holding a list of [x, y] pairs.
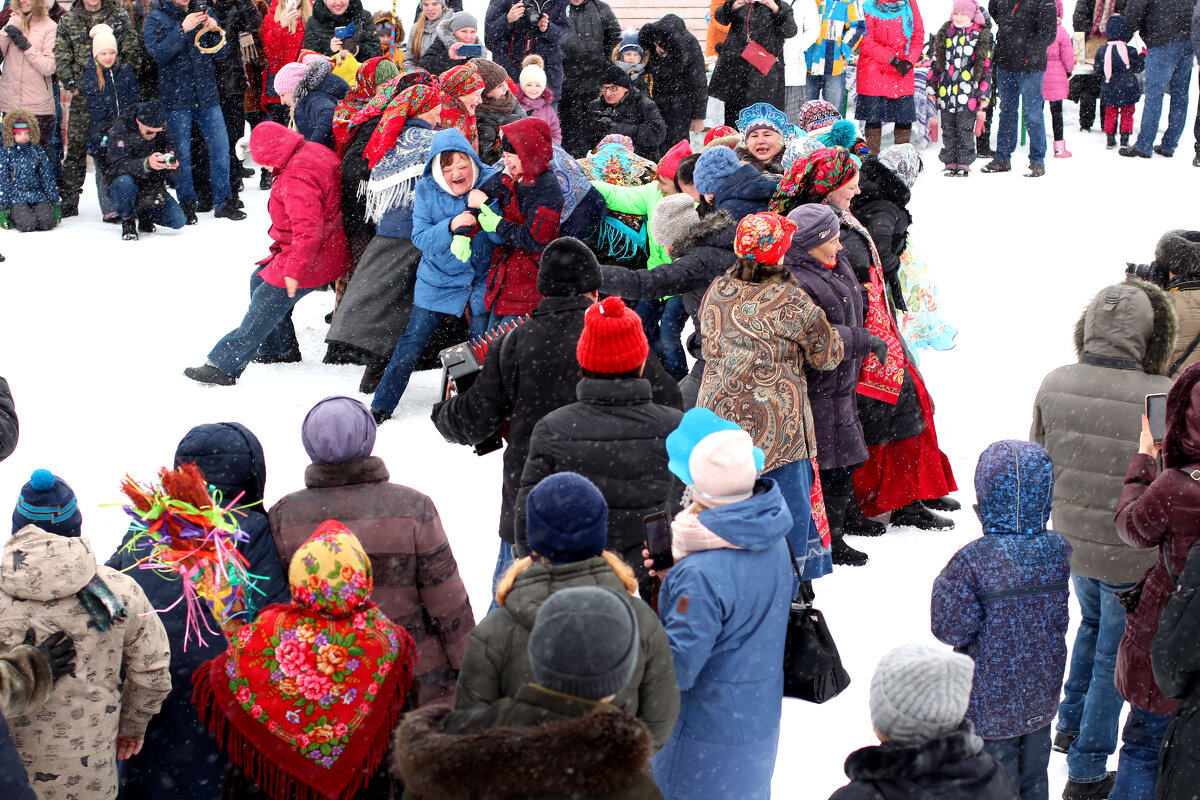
{"points": [[282, 38], [424, 32], [567, 525], [27, 50]]}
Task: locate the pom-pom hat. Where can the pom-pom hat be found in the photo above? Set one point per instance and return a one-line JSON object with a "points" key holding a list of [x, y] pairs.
{"points": [[50, 504], [613, 340]]}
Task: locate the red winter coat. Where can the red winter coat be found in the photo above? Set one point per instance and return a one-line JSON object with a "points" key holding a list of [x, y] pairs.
{"points": [[1160, 510], [308, 239], [884, 40], [280, 48]]}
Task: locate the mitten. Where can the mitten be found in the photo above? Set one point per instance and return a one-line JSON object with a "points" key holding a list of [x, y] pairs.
{"points": [[980, 119], [489, 220], [460, 248], [17, 37], [879, 348]]}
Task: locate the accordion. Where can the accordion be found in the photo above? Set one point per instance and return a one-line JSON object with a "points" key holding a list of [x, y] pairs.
{"points": [[461, 365]]}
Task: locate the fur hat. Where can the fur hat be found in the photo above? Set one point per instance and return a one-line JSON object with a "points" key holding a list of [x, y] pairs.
{"points": [[567, 268], [920, 692], [584, 642], [673, 216], [613, 340], [1179, 252], [903, 161], [103, 39], [48, 502], [715, 165], [566, 518], [533, 70]]}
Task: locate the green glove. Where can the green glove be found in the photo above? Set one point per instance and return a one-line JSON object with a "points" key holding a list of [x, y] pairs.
{"points": [[489, 220], [5, 220], [460, 248]]}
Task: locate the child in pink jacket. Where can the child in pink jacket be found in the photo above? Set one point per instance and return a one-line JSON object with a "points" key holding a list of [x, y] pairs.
{"points": [[1060, 62], [535, 98]]}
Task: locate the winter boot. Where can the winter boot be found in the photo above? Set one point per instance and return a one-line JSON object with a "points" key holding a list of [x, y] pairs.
{"points": [[872, 136], [855, 524], [1096, 790], [1164, 152], [189, 211], [1133, 152], [247, 172], [1063, 741], [70, 205], [145, 225], [1196, 160], [291, 357], [264, 179], [380, 417], [1036, 170], [837, 498], [946, 503], [915, 515], [902, 136], [129, 230], [1060, 149], [1111, 144], [997, 166], [1124, 140], [230, 211], [372, 375], [207, 373]]}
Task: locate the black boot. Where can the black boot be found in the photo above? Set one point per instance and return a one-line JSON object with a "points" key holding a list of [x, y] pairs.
{"points": [[207, 373], [915, 515], [372, 375], [264, 179], [246, 172], [1063, 741], [145, 225], [858, 525], [129, 230], [189, 211], [230, 211], [69, 205], [1097, 790], [943, 504], [837, 497]]}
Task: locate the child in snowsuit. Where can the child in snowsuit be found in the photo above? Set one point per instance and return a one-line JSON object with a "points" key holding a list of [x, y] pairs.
{"points": [[28, 189], [1119, 87], [535, 98], [109, 87], [1002, 600], [1060, 62], [960, 79]]}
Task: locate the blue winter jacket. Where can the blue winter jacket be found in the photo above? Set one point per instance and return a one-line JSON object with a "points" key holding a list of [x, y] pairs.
{"points": [[511, 42], [746, 191], [26, 176], [104, 106], [14, 783], [186, 77], [397, 223], [725, 612], [1002, 599], [314, 112], [445, 284], [179, 760]]}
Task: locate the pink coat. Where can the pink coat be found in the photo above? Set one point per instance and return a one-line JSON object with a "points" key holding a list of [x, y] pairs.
{"points": [[25, 82], [308, 238], [883, 40], [1060, 61], [540, 107]]}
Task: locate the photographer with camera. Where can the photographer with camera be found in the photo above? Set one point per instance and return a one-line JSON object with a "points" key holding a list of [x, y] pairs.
{"points": [[141, 162], [1176, 268], [514, 30]]}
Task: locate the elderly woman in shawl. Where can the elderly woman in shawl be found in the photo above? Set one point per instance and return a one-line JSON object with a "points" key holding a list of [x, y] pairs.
{"points": [[306, 697], [462, 92]]}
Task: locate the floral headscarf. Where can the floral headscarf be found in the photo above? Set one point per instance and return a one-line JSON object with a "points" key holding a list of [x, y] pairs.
{"points": [[412, 102], [459, 82], [309, 693], [763, 237], [369, 75], [615, 162], [811, 178]]}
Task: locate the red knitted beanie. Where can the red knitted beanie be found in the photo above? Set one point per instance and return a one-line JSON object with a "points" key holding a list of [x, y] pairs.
{"points": [[612, 340]]}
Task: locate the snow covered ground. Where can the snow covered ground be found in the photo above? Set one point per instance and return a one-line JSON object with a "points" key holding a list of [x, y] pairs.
{"points": [[96, 333]]}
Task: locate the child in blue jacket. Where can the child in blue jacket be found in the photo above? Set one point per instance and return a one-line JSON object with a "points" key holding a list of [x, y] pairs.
{"points": [[28, 189], [1002, 600], [109, 87], [1117, 65]]}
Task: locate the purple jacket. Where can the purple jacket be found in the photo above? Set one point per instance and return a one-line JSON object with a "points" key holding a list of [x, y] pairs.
{"points": [[1060, 62], [541, 108]]}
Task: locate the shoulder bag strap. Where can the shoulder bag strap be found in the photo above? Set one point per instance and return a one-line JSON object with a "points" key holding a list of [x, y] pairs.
{"points": [[1185, 355]]}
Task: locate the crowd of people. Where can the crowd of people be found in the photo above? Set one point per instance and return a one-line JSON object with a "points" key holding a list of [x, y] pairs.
{"points": [[547, 188]]}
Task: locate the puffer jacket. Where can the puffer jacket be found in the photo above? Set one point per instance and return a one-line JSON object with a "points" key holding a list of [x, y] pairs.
{"points": [[10, 428], [595, 31], [956, 50], [1176, 669], [445, 284], [179, 760], [884, 40], [1025, 31], [1060, 63], [105, 106], [73, 44], [26, 175], [187, 78], [1123, 88], [1087, 416], [1002, 599], [127, 152], [122, 675], [746, 191], [417, 584], [1157, 511], [496, 664], [314, 112], [676, 80], [510, 42], [26, 81], [308, 242], [280, 47], [321, 25], [734, 80], [636, 116]]}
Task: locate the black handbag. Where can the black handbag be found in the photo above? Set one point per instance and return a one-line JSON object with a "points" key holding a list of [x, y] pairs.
{"points": [[812, 666]]}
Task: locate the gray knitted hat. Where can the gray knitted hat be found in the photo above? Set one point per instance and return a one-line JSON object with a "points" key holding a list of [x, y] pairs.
{"points": [[673, 215], [584, 642], [920, 692]]}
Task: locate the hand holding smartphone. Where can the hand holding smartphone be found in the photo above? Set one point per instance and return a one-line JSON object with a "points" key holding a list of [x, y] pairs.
{"points": [[658, 541], [1156, 414]]}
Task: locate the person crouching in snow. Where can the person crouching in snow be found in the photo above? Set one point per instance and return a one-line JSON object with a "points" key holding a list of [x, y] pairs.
{"points": [[140, 155], [454, 259], [919, 696], [28, 189], [530, 202], [560, 736], [1002, 600], [308, 251]]}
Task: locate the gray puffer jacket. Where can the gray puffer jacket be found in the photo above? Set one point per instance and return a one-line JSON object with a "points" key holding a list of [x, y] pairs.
{"points": [[1088, 417]]}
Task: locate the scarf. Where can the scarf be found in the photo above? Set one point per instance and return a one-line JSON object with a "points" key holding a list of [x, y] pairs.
{"points": [[620, 235], [572, 178], [394, 178], [411, 102], [688, 535], [810, 178], [359, 97], [308, 694], [102, 605], [504, 106], [891, 9], [1100, 14], [1122, 49], [454, 115]]}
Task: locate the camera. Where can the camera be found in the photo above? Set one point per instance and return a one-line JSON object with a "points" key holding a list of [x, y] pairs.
{"points": [[533, 12], [170, 159], [1151, 273]]}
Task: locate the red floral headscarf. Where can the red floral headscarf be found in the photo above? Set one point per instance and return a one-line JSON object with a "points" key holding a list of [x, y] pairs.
{"points": [[358, 98], [459, 82], [811, 178], [763, 237], [412, 102]]}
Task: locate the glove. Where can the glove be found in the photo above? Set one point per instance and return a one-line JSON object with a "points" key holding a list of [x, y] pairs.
{"points": [[5, 219], [901, 66], [879, 348], [17, 37], [460, 248], [489, 220], [59, 651], [980, 119]]}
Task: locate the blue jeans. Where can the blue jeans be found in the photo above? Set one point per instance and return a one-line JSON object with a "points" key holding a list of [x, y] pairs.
{"points": [[1091, 706], [1168, 68], [490, 320], [123, 192], [216, 138], [1017, 89], [266, 326], [421, 326], [833, 87], [1027, 759], [504, 560], [1137, 771]]}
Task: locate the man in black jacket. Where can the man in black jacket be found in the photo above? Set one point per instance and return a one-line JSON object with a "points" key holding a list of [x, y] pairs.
{"points": [[9, 429], [1026, 29], [625, 110], [594, 34], [141, 160], [615, 435], [532, 371], [1164, 26]]}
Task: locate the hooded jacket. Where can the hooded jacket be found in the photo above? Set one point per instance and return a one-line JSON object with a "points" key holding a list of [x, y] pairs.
{"points": [[179, 760], [26, 175], [445, 284], [636, 116], [73, 42], [884, 40], [725, 612], [1158, 512], [105, 106], [187, 78], [314, 112], [26, 81], [1123, 88], [677, 80], [1088, 417], [121, 675], [496, 664], [321, 25], [1002, 599], [308, 242], [1060, 62], [1176, 669], [1025, 29]]}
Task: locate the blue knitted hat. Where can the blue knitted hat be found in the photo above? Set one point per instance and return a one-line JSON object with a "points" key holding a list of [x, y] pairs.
{"points": [[566, 518], [713, 167], [48, 503], [629, 43]]}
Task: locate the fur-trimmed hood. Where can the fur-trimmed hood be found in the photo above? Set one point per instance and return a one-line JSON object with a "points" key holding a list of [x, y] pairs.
{"points": [[700, 231], [879, 183], [772, 167], [589, 750], [1179, 252], [442, 32], [1116, 324], [16, 115]]}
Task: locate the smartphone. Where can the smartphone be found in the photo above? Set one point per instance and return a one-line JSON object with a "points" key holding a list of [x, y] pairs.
{"points": [[345, 32], [658, 540], [470, 50], [1156, 412]]}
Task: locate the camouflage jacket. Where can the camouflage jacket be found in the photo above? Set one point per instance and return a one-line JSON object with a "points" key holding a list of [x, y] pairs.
{"points": [[73, 49]]}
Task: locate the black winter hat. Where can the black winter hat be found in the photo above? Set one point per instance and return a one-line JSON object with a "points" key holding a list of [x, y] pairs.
{"points": [[584, 642], [151, 114], [1179, 252], [615, 75], [48, 502], [567, 268]]}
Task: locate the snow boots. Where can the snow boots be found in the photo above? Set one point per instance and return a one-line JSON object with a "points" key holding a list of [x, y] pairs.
{"points": [[838, 496], [916, 515], [129, 230], [1060, 149], [1097, 790], [996, 165], [264, 179], [855, 524], [207, 373]]}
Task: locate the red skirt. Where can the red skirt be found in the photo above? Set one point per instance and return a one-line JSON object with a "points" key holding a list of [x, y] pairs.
{"points": [[897, 473]]}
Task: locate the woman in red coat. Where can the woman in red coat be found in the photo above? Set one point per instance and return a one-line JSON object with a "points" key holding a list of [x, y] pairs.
{"points": [[886, 56], [308, 251], [282, 37]]}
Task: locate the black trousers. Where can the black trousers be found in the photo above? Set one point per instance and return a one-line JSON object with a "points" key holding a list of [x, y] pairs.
{"points": [[958, 138]]}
